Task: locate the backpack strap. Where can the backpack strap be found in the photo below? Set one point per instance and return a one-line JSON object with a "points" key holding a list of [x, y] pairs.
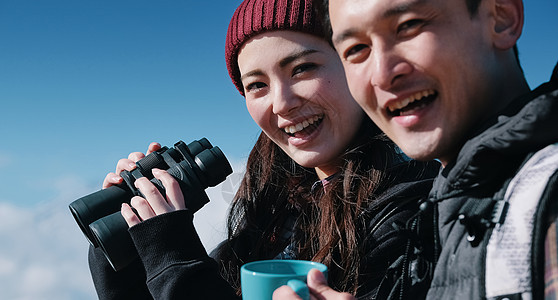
{"points": [[547, 213], [509, 252]]}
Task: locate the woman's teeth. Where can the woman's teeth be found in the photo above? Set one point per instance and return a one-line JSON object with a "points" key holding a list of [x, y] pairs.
{"points": [[300, 126]]}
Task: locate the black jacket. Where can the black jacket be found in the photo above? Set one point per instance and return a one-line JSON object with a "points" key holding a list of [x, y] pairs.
{"points": [[174, 264], [479, 175]]}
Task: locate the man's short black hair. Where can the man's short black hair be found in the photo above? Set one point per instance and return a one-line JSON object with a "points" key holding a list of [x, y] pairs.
{"points": [[473, 6]]}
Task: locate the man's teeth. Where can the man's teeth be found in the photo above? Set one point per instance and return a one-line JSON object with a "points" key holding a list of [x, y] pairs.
{"points": [[300, 126], [417, 96]]}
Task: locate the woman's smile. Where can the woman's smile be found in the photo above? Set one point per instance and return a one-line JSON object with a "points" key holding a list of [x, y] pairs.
{"points": [[306, 133]]}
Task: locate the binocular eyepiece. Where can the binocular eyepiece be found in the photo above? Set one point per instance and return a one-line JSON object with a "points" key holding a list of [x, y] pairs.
{"points": [[195, 166]]}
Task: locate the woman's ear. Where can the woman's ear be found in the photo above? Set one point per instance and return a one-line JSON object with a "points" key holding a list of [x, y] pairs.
{"points": [[508, 22]]}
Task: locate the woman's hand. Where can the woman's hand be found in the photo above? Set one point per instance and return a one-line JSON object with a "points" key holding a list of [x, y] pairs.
{"points": [[154, 203]]}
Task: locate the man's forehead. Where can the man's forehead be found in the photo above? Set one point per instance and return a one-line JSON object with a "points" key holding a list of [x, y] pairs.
{"points": [[403, 6], [346, 15], [386, 8]]}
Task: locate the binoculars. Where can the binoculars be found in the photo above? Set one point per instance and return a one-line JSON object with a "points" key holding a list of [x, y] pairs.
{"points": [[195, 166]]}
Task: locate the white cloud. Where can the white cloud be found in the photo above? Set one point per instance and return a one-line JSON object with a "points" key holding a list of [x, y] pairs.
{"points": [[43, 254], [7, 267]]}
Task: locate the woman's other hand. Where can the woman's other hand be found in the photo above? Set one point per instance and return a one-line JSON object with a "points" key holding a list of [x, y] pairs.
{"points": [[318, 287]]}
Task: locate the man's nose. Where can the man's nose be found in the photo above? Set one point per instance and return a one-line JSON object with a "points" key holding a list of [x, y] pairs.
{"points": [[387, 67]]}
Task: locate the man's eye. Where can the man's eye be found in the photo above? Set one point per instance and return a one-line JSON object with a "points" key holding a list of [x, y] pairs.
{"points": [[356, 53], [356, 49], [304, 68], [254, 86], [414, 23]]}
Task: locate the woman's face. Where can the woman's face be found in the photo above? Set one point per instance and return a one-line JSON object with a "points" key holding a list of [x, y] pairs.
{"points": [[297, 93]]}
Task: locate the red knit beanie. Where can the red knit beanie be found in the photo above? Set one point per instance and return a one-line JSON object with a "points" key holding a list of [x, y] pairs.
{"points": [[253, 17]]}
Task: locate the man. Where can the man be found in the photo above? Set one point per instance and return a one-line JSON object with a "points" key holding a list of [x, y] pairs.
{"points": [[442, 79]]}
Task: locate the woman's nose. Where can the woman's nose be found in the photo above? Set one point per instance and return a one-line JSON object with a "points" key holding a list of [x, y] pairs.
{"points": [[285, 99]]}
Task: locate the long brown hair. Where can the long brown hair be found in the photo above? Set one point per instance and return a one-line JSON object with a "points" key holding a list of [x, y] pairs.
{"points": [[276, 191]]}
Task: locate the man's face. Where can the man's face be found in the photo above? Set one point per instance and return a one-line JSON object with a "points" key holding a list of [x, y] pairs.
{"points": [[423, 70]]}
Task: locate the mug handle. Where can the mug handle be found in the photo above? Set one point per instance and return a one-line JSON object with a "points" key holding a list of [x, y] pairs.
{"points": [[300, 288]]}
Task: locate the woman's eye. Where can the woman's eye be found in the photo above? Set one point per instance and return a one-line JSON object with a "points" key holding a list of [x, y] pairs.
{"points": [[254, 86], [304, 68]]}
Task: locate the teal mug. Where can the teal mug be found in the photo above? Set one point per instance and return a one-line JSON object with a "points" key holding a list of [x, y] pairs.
{"points": [[259, 279]]}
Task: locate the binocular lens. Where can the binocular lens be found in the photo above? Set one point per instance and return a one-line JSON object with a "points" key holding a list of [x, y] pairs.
{"points": [[111, 234], [214, 166], [97, 205]]}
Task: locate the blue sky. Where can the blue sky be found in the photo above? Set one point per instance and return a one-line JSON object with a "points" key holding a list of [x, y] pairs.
{"points": [[83, 83]]}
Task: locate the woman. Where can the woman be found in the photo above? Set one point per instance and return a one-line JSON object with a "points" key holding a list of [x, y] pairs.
{"points": [[322, 183]]}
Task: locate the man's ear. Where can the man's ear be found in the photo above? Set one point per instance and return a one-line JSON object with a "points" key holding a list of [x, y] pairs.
{"points": [[508, 22]]}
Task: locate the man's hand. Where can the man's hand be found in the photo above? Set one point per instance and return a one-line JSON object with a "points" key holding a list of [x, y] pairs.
{"points": [[319, 290]]}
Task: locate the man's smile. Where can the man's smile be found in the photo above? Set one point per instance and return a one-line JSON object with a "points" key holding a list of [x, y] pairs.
{"points": [[411, 104]]}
